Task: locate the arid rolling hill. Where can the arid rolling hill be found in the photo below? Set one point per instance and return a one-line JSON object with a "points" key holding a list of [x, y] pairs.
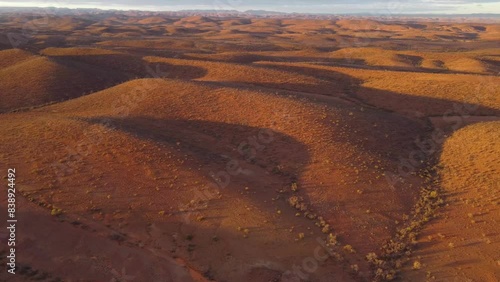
{"points": [[163, 148], [465, 243]]}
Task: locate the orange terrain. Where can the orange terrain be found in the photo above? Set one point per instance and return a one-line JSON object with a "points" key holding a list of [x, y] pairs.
{"points": [[251, 149]]}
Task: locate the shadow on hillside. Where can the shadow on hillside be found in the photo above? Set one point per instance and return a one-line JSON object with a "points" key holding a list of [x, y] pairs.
{"points": [[105, 71], [409, 105], [232, 156], [251, 58], [361, 64], [133, 66], [215, 142]]}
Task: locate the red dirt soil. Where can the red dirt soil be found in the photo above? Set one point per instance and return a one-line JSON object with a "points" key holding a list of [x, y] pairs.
{"points": [[211, 149]]}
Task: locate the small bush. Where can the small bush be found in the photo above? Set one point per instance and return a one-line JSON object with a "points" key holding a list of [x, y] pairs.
{"points": [[56, 212], [349, 248]]}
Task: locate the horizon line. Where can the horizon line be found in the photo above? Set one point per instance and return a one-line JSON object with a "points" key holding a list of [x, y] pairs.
{"points": [[251, 10]]}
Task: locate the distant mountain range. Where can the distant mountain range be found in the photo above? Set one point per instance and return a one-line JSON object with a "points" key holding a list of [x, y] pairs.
{"points": [[257, 13]]}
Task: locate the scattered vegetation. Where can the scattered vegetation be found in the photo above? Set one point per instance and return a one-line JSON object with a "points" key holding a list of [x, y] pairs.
{"points": [[349, 249], [301, 236], [56, 211], [221, 91], [397, 250]]}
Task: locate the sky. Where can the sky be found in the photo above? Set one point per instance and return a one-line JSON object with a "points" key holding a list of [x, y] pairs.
{"points": [[301, 6]]}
